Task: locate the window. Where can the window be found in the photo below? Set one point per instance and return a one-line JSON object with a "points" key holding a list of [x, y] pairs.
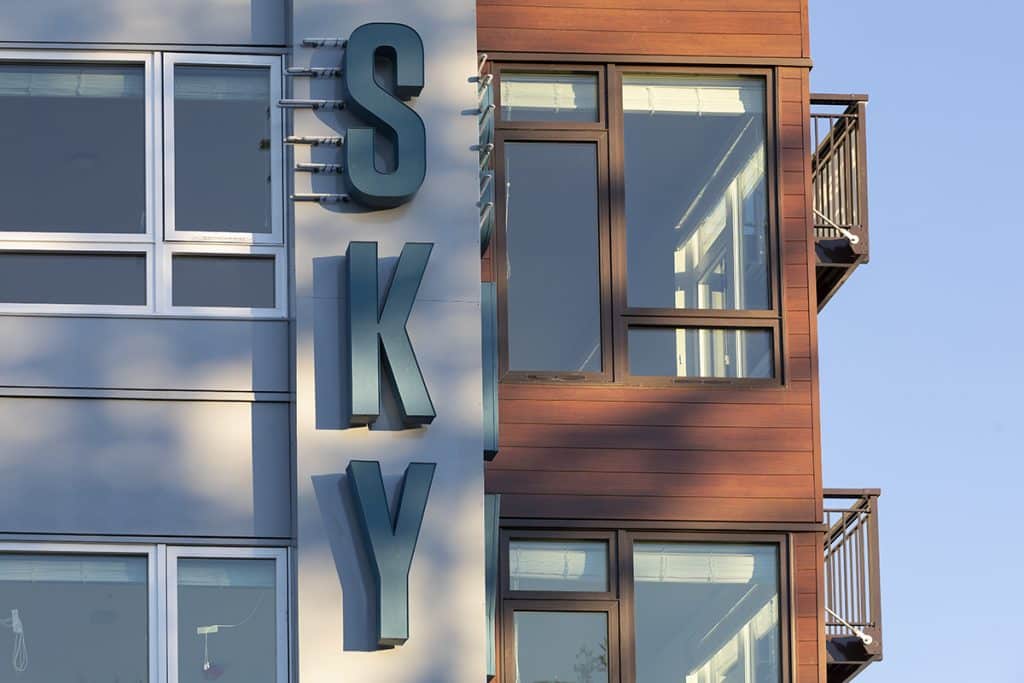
{"points": [[637, 246], [86, 612], [689, 608], [98, 207]]}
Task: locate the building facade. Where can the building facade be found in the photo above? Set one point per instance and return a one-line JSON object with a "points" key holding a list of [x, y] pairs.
{"points": [[424, 342]]}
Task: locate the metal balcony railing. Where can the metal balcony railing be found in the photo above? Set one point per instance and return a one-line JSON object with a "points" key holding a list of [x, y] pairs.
{"points": [[853, 601], [840, 197]]}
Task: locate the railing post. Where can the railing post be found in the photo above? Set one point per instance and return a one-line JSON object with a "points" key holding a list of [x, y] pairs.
{"points": [[875, 571]]}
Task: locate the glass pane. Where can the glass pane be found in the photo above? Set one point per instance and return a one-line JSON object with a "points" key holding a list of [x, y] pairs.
{"points": [[561, 646], [222, 148], [579, 566], [74, 148], [74, 618], [696, 192], [548, 97], [233, 281], [551, 233], [227, 624], [700, 352], [63, 277], [707, 612]]}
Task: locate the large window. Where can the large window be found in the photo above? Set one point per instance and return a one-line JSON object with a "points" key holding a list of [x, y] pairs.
{"points": [[635, 235], [144, 614], [123, 171], [604, 607]]}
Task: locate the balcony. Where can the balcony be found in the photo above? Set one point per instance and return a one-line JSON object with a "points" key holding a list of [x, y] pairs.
{"points": [[840, 189], [853, 601]]}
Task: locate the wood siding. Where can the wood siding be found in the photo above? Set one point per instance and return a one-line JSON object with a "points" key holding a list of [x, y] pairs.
{"points": [[808, 608], [698, 28], [703, 454]]}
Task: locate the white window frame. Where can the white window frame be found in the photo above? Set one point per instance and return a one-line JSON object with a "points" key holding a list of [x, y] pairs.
{"points": [[165, 284], [153, 578], [281, 591], [152, 150], [162, 592], [171, 230], [84, 247], [161, 241]]}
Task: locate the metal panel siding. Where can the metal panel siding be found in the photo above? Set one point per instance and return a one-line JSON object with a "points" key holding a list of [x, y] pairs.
{"points": [[185, 22], [489, 320], [492, 525], [91, 466], [149, 353]]}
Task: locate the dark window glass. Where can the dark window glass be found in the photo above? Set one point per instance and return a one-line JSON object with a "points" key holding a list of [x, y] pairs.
{"points": [[696, 192], [232, 281], [700, 352], [561, 646], [554, 316], [706, 612], [227, 624], [62, 277], [548, 97], [73, 141], [80, 617], [222, 175]]}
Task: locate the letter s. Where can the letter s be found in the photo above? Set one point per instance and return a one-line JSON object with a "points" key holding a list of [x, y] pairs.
{"points": [[366, 99]]}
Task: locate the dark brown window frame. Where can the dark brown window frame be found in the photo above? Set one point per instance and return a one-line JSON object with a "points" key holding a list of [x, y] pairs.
{"points": [[599, 138], [616, 316], [622, 644]]}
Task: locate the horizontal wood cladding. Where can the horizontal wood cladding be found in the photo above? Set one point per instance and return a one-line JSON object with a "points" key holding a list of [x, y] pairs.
{"points": [[761, 29], [808, 582], [691, 453]]}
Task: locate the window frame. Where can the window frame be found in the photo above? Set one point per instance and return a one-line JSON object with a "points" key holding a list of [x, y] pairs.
{"points": [[626, 316], [161, 241], [161, 586], [171, 231], [504, 570], [615, 312], [154, 611], [499, 244], [281, 592], [609, 608], [165, 285], [84, 247], [622, 588], [597, 70], [153, 150]]}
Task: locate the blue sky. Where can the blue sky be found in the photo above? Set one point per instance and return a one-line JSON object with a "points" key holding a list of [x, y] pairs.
{"points": [[921, 370]]}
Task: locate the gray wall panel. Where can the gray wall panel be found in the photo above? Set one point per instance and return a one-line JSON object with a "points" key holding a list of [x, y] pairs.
{"points": [[144, 353], [89, 466], [207, 22]]}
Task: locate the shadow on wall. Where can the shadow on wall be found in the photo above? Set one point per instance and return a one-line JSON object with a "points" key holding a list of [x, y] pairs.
{"points": [[209, 22]]}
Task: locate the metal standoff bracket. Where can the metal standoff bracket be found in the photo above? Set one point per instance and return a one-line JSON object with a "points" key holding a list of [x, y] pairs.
{"points": [[322, 198], [325, 42], [315, 140], [313, 72], [312, 104], [309, 167]]}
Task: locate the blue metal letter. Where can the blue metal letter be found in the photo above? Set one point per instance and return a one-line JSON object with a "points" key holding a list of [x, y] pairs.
{"points": [[391, 544], [389, 115], [370, 332]]}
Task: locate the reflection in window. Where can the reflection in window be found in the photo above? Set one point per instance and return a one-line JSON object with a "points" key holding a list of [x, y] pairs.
{"points": [[700, 352], [548, 97], [74, 148], [80, 617], [227, 628], [576, 566], [551, 236], [696, 192], [707, 613], [561, 646], [222, 174]]}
